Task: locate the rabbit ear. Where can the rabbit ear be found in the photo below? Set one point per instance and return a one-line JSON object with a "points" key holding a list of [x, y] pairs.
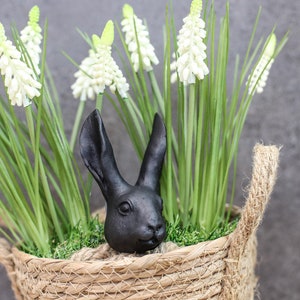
{"points": [[98, 156], [154, 156]]}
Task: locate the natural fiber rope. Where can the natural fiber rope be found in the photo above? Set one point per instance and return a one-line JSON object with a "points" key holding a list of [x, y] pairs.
{"points": [[104, 252], [6, 258], [264, 173], [187, 271], [220, 269]]}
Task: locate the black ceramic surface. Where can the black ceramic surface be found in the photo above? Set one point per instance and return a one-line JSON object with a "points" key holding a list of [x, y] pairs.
{"points": [[134, 221]]}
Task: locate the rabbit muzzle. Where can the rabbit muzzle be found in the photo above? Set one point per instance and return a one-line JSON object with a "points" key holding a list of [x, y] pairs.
{"points": [[151, 237]]}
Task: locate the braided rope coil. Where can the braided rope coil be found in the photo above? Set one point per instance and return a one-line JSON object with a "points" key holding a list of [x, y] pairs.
{"points": [[219, 269]]}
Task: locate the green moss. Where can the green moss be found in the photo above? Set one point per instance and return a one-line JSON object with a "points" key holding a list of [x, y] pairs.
{"points": [[189, 235], [79, 238]]}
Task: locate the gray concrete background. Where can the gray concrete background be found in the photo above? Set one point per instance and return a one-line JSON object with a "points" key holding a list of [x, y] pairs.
{"points": [[273, 117]]}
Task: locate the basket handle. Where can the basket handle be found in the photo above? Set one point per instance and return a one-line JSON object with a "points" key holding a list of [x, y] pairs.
{"points": [[264, 173], [6, 258], [6, 255]]}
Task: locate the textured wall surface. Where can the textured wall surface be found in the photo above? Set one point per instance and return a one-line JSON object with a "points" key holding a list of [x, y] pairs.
{"points": [[273, 116]]}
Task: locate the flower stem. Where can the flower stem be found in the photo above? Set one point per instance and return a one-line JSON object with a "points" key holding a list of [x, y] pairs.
{"points": [[189, 152], [30, 123], [77, 122], [199, 162], [99, 102], [157, 93]]}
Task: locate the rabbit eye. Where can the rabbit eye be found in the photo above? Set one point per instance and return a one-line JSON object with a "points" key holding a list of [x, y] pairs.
{"points": [[125, 208]]}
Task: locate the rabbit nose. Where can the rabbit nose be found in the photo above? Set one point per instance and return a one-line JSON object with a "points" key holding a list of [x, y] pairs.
{"points": [[155, 228], [158, 230]]}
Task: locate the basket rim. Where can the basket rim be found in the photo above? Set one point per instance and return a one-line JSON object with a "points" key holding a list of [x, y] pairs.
{"points": [[186, 253], [183, 253]]}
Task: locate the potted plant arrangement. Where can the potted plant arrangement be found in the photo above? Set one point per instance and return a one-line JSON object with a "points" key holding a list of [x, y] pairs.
{"points": [[175, 234]]}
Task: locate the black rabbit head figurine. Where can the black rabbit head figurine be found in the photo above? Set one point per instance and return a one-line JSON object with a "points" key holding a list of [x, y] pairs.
{"points": [[134, 221]]}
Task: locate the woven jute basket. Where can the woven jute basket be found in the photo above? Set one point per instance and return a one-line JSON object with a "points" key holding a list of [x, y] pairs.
{"points": [[219, 269]]}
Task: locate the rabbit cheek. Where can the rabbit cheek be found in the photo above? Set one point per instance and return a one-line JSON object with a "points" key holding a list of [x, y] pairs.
{"points": [[119, 235]]}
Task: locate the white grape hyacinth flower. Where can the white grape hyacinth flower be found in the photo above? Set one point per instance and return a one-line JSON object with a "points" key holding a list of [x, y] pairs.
{"points": [[137, 39], [257, 81], [32, 38], [19, 79], [191, 52], [99, 69]]}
